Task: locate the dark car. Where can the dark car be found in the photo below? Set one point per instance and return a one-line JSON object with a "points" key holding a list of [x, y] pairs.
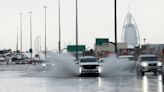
{"points": [[13, 60], [36, 59], [21, 61]]}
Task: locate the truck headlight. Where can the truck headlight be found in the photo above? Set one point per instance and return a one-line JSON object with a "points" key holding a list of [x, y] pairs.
{"points": [[144, 64], [43, 65], [80, 69], [159, 64], [99, 69], [52, 64]]}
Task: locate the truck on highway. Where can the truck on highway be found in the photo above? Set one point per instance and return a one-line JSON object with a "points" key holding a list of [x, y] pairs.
{"points": [[148, 63], [88, 65]]}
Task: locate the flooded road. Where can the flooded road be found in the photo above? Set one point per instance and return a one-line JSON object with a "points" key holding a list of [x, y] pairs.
{"points": [[60, 74], [30, 78]]}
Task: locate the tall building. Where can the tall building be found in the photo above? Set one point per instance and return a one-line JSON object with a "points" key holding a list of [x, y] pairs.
{"points": [[130, 33]]}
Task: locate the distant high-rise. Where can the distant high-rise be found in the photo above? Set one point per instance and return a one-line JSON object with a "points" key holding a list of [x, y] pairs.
{"points": [[130, 33]]}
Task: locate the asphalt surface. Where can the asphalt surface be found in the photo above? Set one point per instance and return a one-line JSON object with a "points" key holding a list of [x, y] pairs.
{"points": [[35, 78]]}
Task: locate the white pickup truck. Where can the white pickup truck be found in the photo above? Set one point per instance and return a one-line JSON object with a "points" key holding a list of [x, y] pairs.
{"points": [[148, 63], [89, 64]]}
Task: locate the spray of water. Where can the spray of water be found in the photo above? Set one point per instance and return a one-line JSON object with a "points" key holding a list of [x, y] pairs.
{"points": [[55, 65], [63, 65], [114, 66]]}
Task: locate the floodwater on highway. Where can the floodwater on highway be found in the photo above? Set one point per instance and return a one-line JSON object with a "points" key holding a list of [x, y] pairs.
{"points": [[62, 76]]}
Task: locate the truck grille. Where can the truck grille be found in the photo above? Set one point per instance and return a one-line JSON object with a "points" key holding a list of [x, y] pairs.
{"points": [[89, 66], [153, 64]]}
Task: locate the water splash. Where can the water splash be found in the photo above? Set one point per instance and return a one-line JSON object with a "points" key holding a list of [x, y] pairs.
{"points": [[55, 65], [63, 65], [114, 66]]}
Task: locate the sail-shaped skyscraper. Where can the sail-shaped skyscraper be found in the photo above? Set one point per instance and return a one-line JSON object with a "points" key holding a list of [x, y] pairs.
{"points": [[130, 33]]}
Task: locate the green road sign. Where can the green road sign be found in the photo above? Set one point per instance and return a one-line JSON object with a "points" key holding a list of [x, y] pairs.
{"points": [[73, 48], [102, 41]]}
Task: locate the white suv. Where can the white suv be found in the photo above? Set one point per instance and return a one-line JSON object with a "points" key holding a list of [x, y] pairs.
{"points": [[148, 63], [89, 64]]}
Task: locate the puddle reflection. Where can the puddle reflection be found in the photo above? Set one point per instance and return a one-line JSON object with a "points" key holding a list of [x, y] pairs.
{"points": [[160, 85], [147, 84]]}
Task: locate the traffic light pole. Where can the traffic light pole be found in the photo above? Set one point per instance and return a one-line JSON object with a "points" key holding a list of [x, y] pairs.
{"points": [[115, 12], [77, 30]]}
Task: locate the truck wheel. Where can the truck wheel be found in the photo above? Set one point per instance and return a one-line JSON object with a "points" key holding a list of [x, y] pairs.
{"points": [[142, 73], [80, 75]]}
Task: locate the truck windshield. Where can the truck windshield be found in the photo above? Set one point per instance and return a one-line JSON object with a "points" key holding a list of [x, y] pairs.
{"points": [[129, 58], [88, 60], [149, 59]]}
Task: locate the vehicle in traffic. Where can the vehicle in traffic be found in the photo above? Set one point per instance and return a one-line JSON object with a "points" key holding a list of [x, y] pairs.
{"points": [[148, 63], [128, 57], [36, 59], [88, 65], [2, 60], [17, 60], [7, 56], [13, 60], [29, 61], [21, 61]]}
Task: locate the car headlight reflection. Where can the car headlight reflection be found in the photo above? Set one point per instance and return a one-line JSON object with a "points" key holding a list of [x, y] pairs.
{"points": [[144, 64], [159, 64]]}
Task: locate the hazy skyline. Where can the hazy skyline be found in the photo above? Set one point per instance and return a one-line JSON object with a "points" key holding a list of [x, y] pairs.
{"points": [[96, 20]]}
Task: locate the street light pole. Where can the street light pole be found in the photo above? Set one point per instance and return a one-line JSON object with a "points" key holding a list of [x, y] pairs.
{"points": [[115, 12], [30, 13], [144, 40], [17, 42], [76, 29], [40, 44], [59, 27], [45, 32], [21, 32], [37, 44]]}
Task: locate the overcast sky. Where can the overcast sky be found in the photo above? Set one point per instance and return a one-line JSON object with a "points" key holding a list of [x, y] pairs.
{"points": [[96, 20]]}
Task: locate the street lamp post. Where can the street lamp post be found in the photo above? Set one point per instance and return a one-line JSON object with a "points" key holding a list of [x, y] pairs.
{"points": [[40, 44], [21, 32], [115, 12], [17, 42], [45, 7], [59, 27], [144, 40], [37, 44], [30, 13], [76, 29]]}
